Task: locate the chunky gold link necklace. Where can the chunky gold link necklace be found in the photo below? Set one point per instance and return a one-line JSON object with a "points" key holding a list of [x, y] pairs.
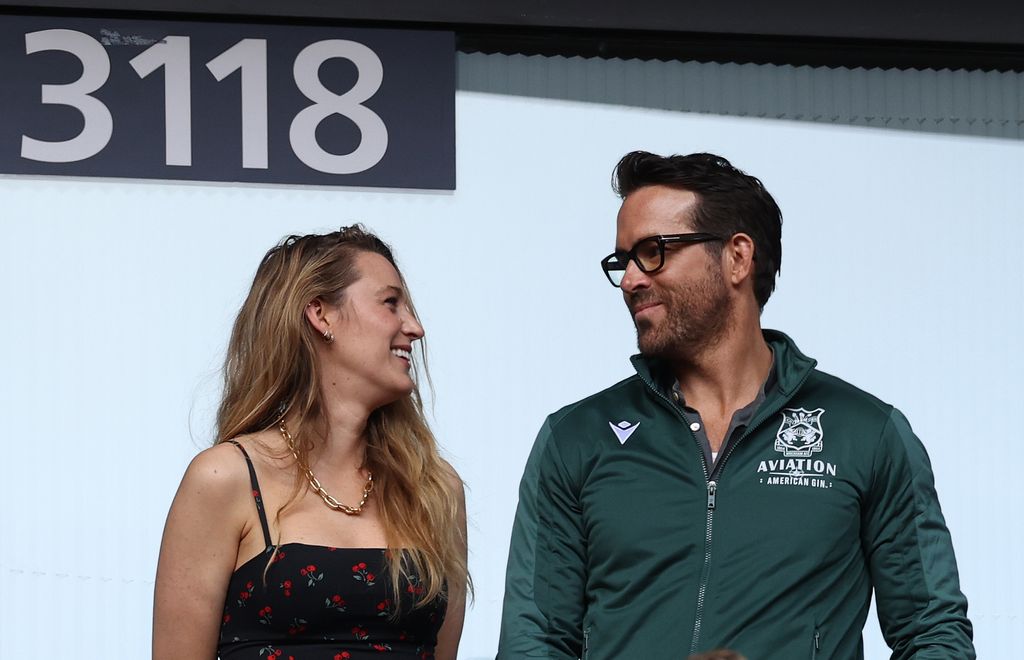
{"points": [[314, 483]]}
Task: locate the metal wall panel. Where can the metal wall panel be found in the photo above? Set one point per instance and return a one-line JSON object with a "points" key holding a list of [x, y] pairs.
{"points": [[982, 103]]}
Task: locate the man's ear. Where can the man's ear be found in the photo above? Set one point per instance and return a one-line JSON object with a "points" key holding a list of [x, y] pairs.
{"points": [[738, 255]]}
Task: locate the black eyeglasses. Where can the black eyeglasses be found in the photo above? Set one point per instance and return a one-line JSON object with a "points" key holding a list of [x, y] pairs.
{"points": [[648, 254]]}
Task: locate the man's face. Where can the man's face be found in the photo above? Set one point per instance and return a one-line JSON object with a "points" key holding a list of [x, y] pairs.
{"points": [[683, 308]]}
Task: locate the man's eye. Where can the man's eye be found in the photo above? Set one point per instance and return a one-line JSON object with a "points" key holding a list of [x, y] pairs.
{"points": [[647, 251]]}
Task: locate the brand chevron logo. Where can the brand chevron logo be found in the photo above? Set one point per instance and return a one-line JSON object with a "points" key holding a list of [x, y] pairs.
{"points": [[623, 430]]}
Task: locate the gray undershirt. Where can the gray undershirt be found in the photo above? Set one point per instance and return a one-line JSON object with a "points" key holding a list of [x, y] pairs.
{"points": [[737, 426]]}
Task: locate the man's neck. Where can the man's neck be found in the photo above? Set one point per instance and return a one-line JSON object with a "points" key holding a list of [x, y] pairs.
{"points": [[727, 375]]}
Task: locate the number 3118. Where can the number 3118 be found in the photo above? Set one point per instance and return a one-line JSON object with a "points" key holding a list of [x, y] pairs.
{"points": [[248, 56]]}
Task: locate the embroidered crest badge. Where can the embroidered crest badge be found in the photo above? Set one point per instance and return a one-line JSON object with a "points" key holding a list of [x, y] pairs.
{"points": [[800, 433]]}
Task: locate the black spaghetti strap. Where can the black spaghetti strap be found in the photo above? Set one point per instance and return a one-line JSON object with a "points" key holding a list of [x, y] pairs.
{"points": [[256, 493]]}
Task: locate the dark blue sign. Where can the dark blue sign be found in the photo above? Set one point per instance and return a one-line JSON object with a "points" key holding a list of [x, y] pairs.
{"points": [[227, 102]]}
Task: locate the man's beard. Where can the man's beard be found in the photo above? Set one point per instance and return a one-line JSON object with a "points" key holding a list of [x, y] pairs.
{"points": [[697, 315]]}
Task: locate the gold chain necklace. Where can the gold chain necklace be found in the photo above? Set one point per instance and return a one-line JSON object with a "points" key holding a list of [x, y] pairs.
{"points": [[314, 483]]}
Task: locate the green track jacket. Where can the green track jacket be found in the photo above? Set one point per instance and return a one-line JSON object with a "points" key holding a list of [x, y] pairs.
{"points": [[625, 547]]}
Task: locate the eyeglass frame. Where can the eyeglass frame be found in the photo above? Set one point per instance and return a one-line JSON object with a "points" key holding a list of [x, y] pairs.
{"points": [[691, 238]]}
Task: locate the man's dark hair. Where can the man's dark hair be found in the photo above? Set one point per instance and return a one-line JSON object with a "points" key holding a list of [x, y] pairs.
{"points": [[729, 201]]}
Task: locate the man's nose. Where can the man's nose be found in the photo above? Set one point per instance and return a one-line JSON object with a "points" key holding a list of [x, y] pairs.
{"points": [[634, 278]]}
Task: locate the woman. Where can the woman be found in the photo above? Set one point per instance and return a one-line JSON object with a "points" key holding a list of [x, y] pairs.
{"points": [[323, 524]]}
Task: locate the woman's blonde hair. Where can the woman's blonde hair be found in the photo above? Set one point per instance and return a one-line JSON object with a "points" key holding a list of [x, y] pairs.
{"points": [[271, 369]]}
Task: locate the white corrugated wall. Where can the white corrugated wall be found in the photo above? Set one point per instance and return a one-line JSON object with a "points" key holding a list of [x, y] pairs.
{"points": [[985, 103]]}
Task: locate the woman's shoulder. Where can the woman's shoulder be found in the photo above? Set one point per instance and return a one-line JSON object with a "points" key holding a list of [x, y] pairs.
{"points": [[219, 472], [450, 474], [226, 464], [222, 471]]}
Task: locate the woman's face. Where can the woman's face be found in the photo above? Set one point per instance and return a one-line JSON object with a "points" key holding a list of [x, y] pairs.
{"points": [[374, 329]]}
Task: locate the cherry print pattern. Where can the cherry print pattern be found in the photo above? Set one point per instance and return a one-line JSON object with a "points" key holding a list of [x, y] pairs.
{"points": [[323, 603], [316, 604]]}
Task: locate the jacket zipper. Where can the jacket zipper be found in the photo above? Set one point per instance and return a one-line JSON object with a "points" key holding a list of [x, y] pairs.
{"points": [[817, 646], [703, 588], [712, 486]]}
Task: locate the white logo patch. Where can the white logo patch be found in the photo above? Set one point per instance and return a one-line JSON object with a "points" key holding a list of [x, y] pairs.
{"points": [[800, 433], [798, 438], [623, 430]]}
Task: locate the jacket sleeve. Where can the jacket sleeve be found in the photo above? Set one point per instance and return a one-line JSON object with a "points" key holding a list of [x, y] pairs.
{"points": [[545, 579], [922, 612]]}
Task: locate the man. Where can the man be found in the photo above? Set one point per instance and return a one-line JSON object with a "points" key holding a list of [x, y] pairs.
{"points": [[729, 494]]}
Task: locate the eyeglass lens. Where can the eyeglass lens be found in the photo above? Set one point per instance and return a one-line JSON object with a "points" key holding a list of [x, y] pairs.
{"points": [[649, 256]]}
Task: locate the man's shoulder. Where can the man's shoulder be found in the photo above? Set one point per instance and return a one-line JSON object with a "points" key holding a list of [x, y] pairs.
{"points": [[845, 396], [624, 394]]}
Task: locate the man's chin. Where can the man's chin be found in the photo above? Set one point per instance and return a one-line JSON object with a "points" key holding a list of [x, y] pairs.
{"points": [[647, 342]]}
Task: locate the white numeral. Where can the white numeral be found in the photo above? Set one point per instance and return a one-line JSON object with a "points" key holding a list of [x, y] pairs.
{"points": [[173, 55], [99, 125], [249, 55], [302, 134]]}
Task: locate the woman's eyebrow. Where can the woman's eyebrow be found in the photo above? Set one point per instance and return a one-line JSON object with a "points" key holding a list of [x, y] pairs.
{"points": [[391, 288]]}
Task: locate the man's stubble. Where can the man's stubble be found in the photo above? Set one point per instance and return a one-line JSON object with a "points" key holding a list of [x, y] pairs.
{"points": [[697, 316]]}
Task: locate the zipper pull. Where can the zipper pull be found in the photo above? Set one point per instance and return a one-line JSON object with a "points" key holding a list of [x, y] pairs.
{"points": [[712, 488], [816, 647]]}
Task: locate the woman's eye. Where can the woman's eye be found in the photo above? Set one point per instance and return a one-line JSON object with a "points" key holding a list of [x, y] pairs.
{"points": [[392, 301]]}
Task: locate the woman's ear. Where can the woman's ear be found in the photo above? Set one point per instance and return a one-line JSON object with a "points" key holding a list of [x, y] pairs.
{"points": [[316, 316]]}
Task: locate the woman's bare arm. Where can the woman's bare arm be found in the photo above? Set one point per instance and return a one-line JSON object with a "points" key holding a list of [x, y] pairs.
{"points": [[198, 555], [451, 630]]}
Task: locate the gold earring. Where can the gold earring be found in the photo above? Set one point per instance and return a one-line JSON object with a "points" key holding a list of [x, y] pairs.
{"points": [[328, 336]]}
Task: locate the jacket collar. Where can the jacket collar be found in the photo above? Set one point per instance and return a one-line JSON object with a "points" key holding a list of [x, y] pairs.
{"points": [[791, 367]]}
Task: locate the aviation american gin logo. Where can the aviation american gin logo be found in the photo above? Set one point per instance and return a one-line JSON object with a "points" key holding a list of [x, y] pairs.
{"points": [[799, 437]]}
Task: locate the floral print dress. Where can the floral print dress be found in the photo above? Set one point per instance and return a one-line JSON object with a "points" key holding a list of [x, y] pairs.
{"points": [[319, 603]]}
